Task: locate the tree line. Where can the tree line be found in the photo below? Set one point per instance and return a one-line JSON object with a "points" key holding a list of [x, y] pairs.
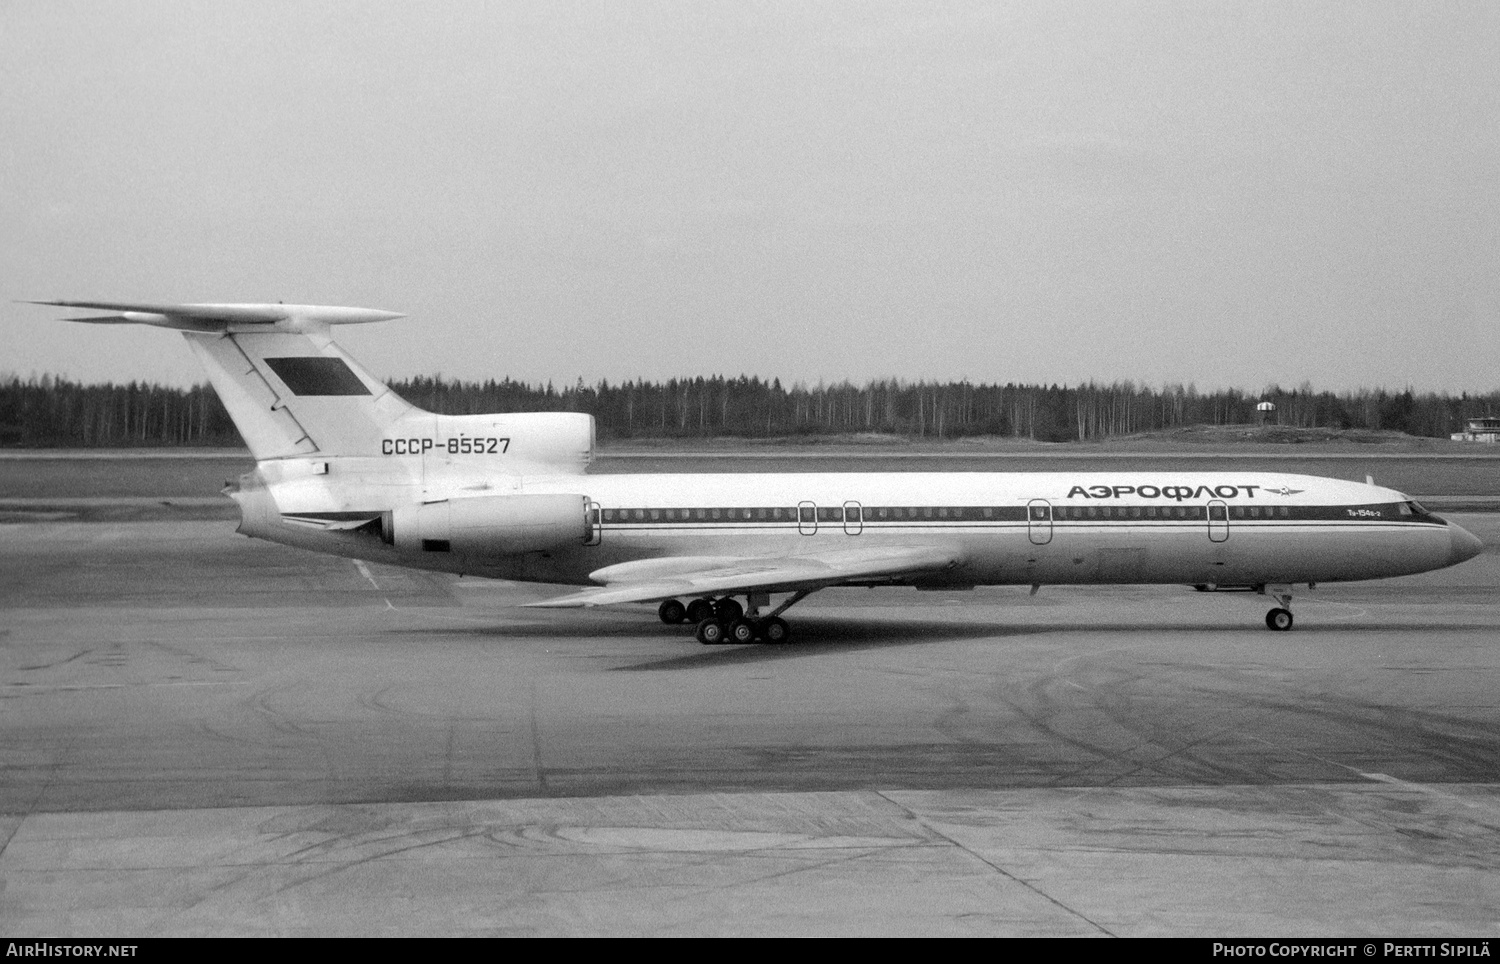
{"points": [[58, 412]]}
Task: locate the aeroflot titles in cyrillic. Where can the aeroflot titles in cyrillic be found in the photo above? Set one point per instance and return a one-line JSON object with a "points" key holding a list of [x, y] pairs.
{"points": [[1180, 493]]}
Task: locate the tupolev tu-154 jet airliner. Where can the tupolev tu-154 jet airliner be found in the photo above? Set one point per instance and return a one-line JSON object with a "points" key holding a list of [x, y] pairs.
{"points": [[344, 466]]}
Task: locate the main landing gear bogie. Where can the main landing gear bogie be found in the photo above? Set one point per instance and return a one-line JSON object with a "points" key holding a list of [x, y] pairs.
{"points": [[724, 620], [713, 632]]}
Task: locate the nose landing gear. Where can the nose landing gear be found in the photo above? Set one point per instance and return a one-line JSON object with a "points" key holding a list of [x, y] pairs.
{"points": [[1280, 618]]}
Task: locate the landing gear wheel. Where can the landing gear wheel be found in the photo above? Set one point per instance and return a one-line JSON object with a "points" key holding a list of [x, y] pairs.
{"points": [[1279, 619], [743, 631], [711, 632], [728, 609], [672, 612], [699, 610], [775, 630]]}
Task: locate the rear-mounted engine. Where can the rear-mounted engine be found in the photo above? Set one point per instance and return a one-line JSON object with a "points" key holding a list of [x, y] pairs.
{"points": [[492, 525]]}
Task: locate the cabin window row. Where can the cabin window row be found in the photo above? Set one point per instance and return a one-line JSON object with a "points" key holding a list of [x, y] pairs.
{"points": [[820, 513], [841, 514]]}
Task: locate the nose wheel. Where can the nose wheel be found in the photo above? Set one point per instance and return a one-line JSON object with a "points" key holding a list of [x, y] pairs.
{"points": [[1279, 619]]}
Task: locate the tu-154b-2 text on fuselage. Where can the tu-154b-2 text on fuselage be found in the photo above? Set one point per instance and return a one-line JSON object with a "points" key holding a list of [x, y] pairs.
{"points": [[346, 467]]}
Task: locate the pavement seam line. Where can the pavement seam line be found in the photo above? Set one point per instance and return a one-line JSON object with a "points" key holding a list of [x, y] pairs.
{"points": [[12, 835], [1381, 777], [996, 867]]}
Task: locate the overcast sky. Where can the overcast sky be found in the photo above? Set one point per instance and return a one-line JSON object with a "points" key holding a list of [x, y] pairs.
{"points": [[1231, 194]]}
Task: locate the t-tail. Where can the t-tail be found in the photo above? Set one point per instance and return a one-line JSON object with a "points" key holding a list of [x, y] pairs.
{"points": [[293, 392], [339, 453]]}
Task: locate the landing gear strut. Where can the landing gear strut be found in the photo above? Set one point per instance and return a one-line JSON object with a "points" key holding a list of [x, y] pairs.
{"points": [[726, 621], [1280, 618]]}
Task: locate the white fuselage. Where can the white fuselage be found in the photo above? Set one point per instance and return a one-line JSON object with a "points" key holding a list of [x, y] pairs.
{"points": [[1222, 528]]}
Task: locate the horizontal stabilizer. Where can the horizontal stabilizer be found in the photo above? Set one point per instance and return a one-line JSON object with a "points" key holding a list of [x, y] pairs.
{"points": [[219, 317]]}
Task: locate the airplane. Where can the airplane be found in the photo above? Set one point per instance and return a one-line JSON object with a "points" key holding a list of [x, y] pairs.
{"points": [[344, 466]]}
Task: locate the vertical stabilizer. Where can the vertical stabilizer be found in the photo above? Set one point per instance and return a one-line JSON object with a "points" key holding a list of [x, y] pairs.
{"points": [[294, 394], [290, 390]]}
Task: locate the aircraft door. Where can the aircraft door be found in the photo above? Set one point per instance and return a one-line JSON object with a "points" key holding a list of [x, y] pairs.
{"points": [[1039, 521], [853, 523], [1218, 521], [807, 518], [595, 516]]}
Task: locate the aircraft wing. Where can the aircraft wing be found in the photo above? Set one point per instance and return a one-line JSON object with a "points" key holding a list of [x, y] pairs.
{"points": [[714, 576]]}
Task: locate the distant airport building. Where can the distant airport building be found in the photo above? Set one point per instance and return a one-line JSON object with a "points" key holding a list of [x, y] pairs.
{"points": [[1485, 429]]}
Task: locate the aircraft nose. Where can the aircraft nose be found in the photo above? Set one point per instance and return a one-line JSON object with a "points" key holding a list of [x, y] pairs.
{"points": [[1465, 545]]}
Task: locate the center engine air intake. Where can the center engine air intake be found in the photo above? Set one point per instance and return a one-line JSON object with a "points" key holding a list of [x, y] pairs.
{"points": [[491, 525]]}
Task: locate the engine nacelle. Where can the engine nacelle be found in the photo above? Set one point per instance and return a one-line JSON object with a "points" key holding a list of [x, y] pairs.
{"points": [[490, 525]]}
